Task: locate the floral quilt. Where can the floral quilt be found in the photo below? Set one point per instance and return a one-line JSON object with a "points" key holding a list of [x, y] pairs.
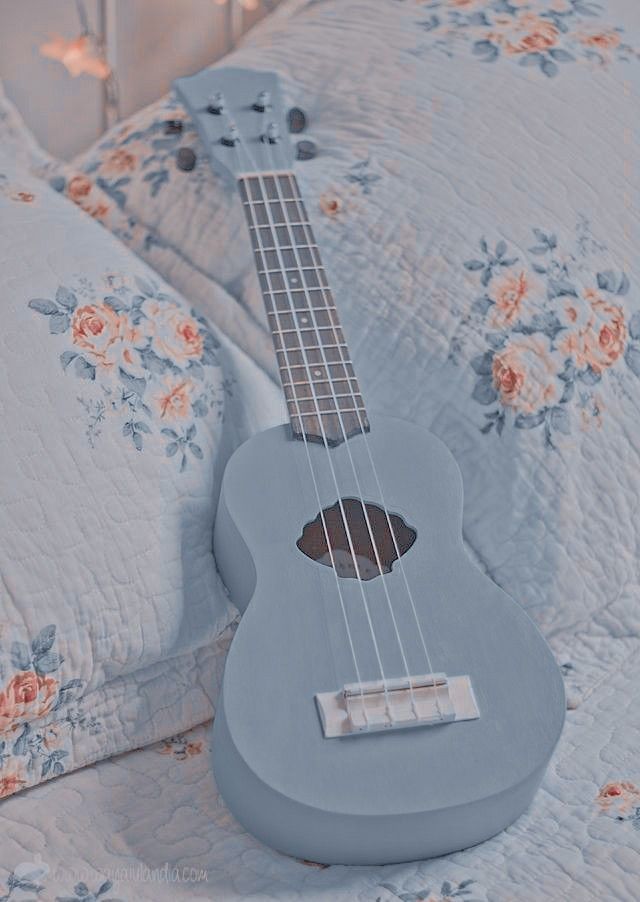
{"points": [[473, 197]]}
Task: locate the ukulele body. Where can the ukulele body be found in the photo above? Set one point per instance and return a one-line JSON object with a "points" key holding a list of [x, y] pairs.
{"points": [[379, 797]]}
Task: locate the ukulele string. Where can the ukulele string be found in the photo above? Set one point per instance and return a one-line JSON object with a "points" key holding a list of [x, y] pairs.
{"points": [[356, 406], [374, 544], [309, 461], [307, 366]]}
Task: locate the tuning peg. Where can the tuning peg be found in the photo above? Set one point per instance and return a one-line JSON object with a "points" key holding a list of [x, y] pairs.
{"points": [[263, 102], [232, 137], [272, 134], [296, 120], [186, 159], [216, 104], [306, 150]]}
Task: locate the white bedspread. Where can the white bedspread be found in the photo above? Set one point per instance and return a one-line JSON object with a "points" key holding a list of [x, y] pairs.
{"points": [[474, 200], [153, 824]]}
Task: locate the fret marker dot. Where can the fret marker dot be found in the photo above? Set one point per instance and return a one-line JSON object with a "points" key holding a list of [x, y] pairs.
{"points": [[317, 373], [304, 319]]}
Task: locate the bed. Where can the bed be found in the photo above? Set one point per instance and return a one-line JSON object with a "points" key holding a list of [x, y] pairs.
{"points": [[488, 147]]}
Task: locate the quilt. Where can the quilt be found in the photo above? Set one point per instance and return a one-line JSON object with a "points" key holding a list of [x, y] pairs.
{"points": [[489, 148]]}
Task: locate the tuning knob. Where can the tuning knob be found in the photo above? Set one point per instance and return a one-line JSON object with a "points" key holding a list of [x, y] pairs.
{"points": [[306, 150], [186, 159], [272, 134], [232, 137], [263, 102], [216, 104], [172, 127], [296, 120]]}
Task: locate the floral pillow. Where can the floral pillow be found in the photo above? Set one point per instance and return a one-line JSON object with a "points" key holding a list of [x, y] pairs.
{"points": [[113, 403], [130, 183]]}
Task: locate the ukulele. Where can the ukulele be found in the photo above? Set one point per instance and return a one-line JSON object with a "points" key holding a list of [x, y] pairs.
{"points": [[383, 700]]}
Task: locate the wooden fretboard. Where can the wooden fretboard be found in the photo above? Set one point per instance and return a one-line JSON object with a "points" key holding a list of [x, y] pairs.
{"points": [[319, 382]]}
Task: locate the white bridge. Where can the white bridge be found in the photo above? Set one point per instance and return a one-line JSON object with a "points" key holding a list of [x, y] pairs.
{"points": [[394, 704]]}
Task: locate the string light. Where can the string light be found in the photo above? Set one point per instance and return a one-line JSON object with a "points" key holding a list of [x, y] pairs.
{"points": [[86, 55], [79, 56]]}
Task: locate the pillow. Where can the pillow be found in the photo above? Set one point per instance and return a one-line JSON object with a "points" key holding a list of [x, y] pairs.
{"points": [[16, 138], [112, 615], [175, 220]]}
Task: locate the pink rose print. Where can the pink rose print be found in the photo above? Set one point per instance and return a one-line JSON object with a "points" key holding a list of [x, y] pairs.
{"points": [[173, 400], [27, 696], [120, 160], [29, 750], [150, 359], [181, 747], [524, 374], [599, 340], [174, 335], [550, 341], [545, 35], [11, 781], [508, 296], [621, 800]]}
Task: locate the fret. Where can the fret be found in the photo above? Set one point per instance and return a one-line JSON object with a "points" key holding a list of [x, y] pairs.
{"points": [[298, 310], [287, 269], [279, 303], [316, 373], [311, 356], [317, 367], [303, 331], [280, 213], [303, 347], [352, 395], [319, 382], [328, 413], [355, 403]]}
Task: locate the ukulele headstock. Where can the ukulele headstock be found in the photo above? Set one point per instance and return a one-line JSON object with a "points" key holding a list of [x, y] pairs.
{"points": [[240, 119]]}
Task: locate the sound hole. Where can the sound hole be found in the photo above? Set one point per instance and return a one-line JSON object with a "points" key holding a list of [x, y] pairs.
{"points": [[313, 540]]}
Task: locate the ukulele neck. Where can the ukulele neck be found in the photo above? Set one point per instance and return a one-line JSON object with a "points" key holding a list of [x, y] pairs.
{"points": [[320, 387]]}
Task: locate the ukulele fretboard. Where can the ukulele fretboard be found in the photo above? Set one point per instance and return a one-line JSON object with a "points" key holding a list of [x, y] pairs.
{"points": [[320, 386]]}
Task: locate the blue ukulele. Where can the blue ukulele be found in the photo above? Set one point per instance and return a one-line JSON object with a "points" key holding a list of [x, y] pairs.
{"points": [[383, 700]]}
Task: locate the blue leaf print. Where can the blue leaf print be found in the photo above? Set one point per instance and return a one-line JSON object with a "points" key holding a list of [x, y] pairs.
{"points": [[59, 323], [20, 656], [47, 663], [41, 305], [430, 24], [84, 369], [66, 358], [482, 364], [589, 376], [481, 305], [116, 304], [66, 298], [132, 383], [530, 421], [632, 358], [484, 391], [559, 419], [634, 326], [561, 56], [44, 640], [486, 50]]}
